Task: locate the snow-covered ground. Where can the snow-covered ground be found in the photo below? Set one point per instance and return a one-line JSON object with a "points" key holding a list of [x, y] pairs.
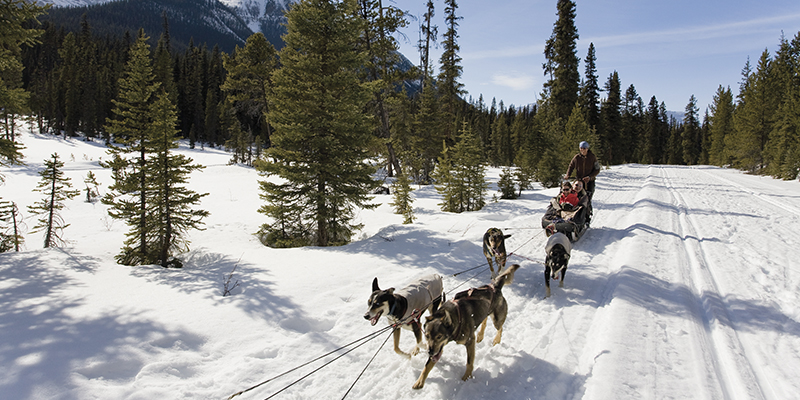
{"points": [[685, 287]]}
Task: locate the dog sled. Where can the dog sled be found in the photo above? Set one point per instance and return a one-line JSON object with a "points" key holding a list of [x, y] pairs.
{"points": [[569, 212]]}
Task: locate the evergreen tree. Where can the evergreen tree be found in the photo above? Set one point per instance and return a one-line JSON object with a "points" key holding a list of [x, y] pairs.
{"points": [[460, 175], [92, 187], [11, 237], [428, 135], [170, 202], [57, 188], [722, 109], [382, 67], [754, 115], [632, 123], [610, 122], [403, 200], [590, 90], [575, 131], [562, 61], [428, 34], [320, 128], [450, 89], [691, 134], [127, 197], [506, 185], [247, 87], [782, 148], [15, 33], [651, 151]]}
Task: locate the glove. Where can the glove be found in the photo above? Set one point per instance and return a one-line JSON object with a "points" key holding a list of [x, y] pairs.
{"points": [[586, 179]]}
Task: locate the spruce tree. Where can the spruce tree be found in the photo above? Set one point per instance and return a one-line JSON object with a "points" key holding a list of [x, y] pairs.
{"points": [[92, 187], [127, 196], [610, 122], [57, 188], [460, 175], [506, 185], [562, 60], [380, 25], [722, 109], [403, 200], [170, 202], [690, 137], [450, 89], [11, 237], [320, 128], [247, 87], [590, 89]]}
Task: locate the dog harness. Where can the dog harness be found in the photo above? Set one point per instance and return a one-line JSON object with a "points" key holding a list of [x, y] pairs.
{"points": [[558, 238], [420, 295]]}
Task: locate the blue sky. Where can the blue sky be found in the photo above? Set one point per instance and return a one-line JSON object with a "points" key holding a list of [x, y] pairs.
{"points": [[670, 49]]}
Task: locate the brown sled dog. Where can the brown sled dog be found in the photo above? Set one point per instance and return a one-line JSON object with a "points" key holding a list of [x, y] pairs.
{"points": [[457, 319]]}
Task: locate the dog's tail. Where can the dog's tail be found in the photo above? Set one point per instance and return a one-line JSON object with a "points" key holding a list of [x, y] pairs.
{"points": [[506, 277]]}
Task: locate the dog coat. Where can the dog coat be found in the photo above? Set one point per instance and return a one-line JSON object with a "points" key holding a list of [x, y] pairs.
{"points": [[558, 238], [420, 293]]}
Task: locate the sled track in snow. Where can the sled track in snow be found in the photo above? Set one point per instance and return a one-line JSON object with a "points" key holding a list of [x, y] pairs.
{"points": [[736, 377], [755, 194]]}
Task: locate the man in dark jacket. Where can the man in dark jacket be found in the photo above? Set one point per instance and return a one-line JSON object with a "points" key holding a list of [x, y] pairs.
{"points": [[586, 168]]}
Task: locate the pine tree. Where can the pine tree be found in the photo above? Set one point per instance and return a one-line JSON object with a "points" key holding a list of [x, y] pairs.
{"points": [[170, 202], [506, 185], [450, 89], [320, 128], [690, 137], [590, 90], [610, 121], [15, 32], [11, 237], [562, 60], [722, 109], [403, 200], [247, 87], [428, 34], [460, 175], [382, 68], [428, 134], [92, 187], [57, 188], [651, 152], [783, 145], [127, 196]]}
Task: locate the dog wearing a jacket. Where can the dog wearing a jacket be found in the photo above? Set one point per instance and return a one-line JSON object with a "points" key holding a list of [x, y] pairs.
{"points": [[558, 249], [405, 306], [494, 248], [458, 319]]}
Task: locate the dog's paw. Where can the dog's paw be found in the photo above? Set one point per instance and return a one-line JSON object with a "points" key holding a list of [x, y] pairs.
{"points": [[418, 384], [414, 351], [561, 283]]}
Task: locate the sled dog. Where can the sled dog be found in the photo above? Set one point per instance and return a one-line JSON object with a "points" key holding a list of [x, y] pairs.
{"points": [[558, 249], [458, 319], [494, 248], [399, 306]]}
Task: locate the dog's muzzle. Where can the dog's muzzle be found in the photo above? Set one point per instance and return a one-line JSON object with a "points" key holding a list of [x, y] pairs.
{"points": [[373, 320]]}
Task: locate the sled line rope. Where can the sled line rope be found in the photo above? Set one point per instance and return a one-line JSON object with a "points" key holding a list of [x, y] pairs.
{"points": [[513, 253], [368, 364], [365, 339], [322, 366]]}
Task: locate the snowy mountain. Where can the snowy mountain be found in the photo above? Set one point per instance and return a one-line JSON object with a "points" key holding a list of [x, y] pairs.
{"points": [[234, 20], [685, 287]]}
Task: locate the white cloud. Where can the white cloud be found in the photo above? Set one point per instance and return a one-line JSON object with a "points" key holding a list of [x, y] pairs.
{"points": [[514, 81]]}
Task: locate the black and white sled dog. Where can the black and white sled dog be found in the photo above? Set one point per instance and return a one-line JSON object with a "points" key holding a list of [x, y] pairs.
{"points": [[494, 248], [458, 320], [558, 251], [426, 293]]}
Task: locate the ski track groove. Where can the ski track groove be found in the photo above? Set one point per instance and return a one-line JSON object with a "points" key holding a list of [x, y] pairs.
{"points": [[741, 381]]}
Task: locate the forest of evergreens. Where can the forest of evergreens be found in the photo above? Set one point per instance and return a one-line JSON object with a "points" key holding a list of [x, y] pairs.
{"points": [[267, 106]]}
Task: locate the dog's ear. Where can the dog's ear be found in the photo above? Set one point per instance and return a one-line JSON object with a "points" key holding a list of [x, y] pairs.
{"points": [[375, 287], [446, 319], [506, 236], [390, 291]]}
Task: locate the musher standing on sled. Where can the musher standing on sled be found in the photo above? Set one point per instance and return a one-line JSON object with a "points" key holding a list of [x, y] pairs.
{"points": [[586, 169]]}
